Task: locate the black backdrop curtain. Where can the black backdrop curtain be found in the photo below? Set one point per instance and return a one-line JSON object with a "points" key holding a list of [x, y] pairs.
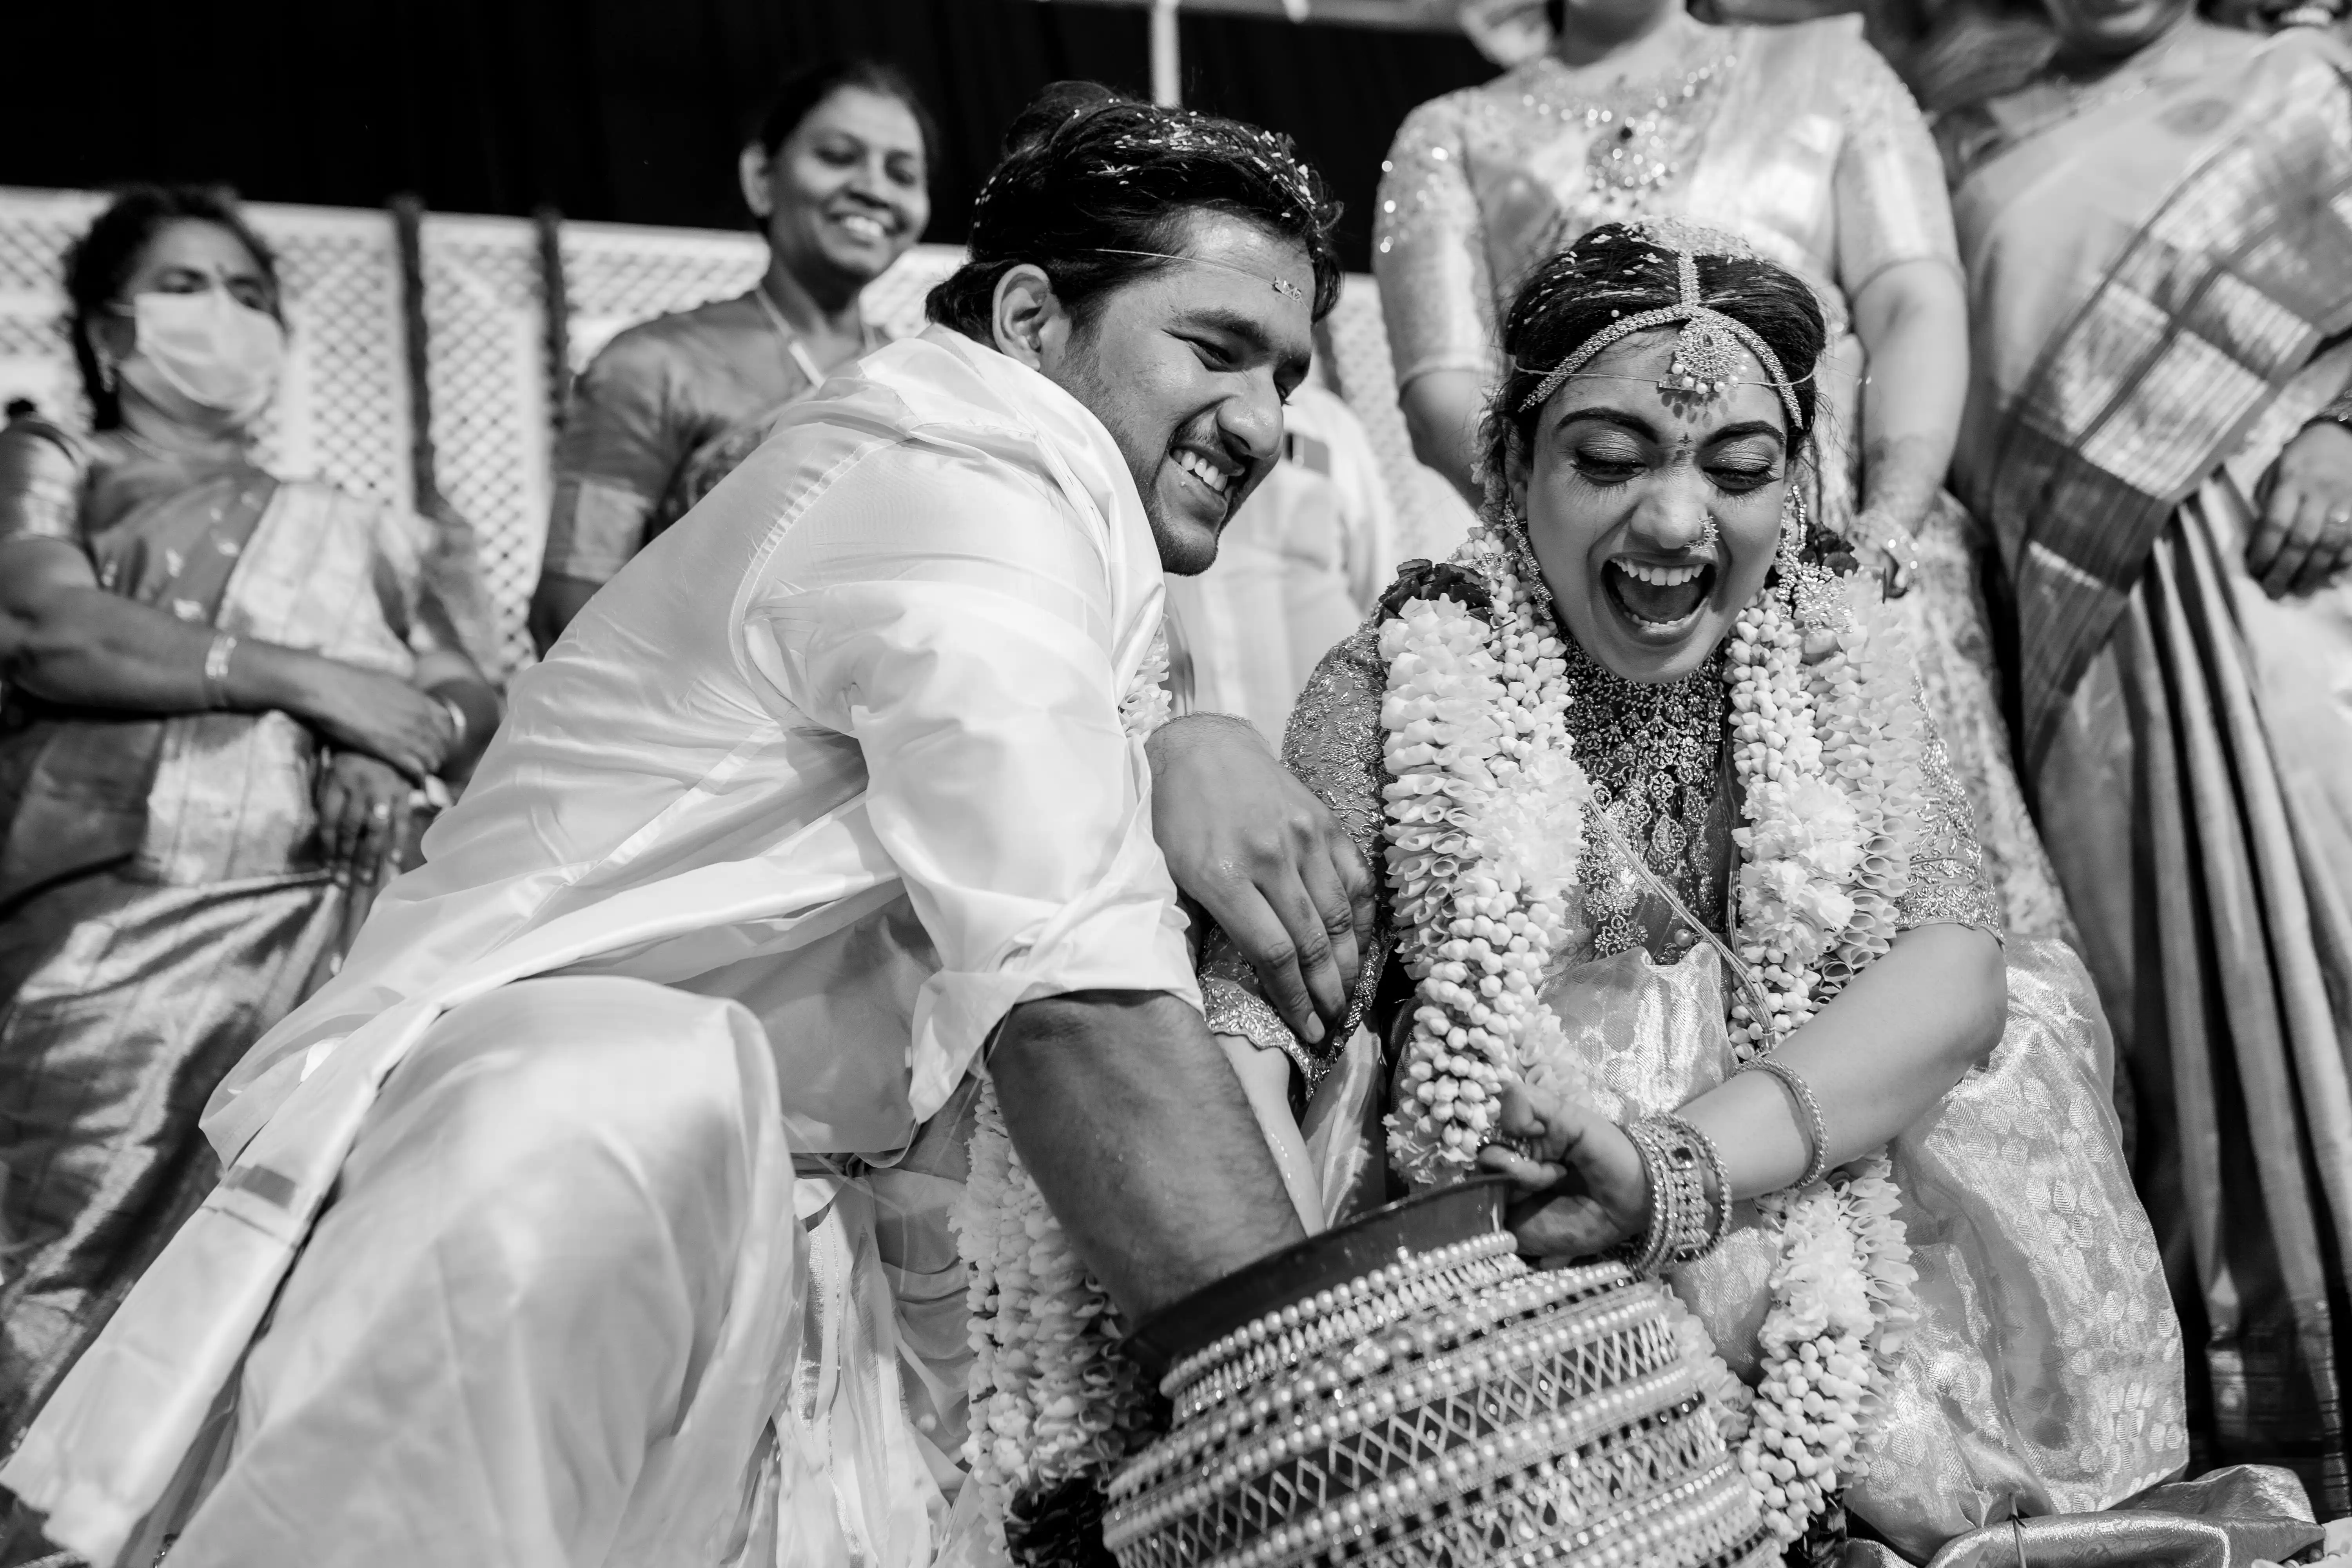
{"points": [[627, 111]]}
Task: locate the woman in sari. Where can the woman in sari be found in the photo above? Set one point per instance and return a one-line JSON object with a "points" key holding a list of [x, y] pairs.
{"points": [[1751, 1020], [2155, 234], [1800, 139], [835, 175], [226, 691]]}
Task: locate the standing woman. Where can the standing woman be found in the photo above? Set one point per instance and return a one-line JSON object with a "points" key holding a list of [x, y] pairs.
{"points": [[837, 177], [226, 691], [1800, 140], [2161, 278]]}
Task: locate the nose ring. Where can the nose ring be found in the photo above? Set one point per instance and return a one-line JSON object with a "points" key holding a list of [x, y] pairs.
{"points": [[1709, 534]]}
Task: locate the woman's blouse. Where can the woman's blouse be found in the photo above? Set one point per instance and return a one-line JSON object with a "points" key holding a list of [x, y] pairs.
{"points": [[1798, 139], [647, 403]]}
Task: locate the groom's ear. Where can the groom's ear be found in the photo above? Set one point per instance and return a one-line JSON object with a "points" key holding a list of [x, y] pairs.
{"points": [[1026, 317]]}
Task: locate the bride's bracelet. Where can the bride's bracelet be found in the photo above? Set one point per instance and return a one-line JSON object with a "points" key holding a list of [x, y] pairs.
{"points": [[1684, 1225], [1808, 1116]]}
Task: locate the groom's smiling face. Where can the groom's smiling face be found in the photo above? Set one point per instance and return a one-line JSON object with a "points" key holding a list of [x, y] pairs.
{"points": [[1188, 367]]}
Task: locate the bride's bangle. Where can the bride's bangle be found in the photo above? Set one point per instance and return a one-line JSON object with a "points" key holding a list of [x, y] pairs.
{"points": [[1808, 1116], [1685, 1226]]}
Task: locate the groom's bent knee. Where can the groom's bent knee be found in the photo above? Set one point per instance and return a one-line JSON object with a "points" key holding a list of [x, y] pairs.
{"points": [[582, 1111]]}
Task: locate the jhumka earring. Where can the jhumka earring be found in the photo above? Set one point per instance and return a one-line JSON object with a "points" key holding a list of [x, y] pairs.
{"points": [[1514, 530]]}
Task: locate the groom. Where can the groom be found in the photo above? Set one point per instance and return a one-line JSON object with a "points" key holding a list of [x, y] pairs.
{"points": [[563, 1227]]}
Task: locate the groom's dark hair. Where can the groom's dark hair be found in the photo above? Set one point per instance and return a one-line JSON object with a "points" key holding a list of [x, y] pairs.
{"points": [[1090, 176]]}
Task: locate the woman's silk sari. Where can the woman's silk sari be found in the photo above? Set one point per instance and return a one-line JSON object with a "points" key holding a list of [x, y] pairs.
{"points": [[2156, 282], [162, 897]]}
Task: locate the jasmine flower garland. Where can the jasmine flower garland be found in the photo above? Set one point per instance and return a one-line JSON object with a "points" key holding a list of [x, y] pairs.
{"points": [[1054, 1399], [1480, 781]]}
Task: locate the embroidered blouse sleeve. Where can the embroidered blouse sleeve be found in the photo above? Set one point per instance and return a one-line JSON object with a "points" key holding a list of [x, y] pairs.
{"points": [[1948, 885], [1429, 250], [1891, 205], [1333, 746], [41, 473]]}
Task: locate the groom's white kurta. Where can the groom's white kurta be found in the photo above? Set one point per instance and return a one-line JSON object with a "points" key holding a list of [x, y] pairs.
{"points": [[837, 763]]}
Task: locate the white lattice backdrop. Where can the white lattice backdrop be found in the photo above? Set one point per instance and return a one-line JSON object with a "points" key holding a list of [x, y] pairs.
{"points": [[895, 300], [488, 380], [616, 275], [342, 411]]}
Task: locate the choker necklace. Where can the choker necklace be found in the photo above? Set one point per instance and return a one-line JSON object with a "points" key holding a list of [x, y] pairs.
{"points": [[1652, 752]]}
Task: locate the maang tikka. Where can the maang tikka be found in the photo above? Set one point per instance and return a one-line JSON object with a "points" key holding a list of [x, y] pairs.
{"points": [[1706, 352]]}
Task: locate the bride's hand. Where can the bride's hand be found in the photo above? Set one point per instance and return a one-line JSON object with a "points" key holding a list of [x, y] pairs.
{"points": [[1582, 1191]]}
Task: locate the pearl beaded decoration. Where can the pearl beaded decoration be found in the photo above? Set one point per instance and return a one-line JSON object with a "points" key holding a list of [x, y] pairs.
{"points": [[1530, 1418]]}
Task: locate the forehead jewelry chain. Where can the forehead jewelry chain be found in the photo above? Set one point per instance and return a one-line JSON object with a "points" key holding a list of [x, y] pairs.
{"points": [[1706, 352]]}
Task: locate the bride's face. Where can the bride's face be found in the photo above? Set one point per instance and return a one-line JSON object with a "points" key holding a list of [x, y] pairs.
{"points": [[1617, 487]]}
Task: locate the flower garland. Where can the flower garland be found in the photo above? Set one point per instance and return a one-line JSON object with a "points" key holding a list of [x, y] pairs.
{"points": [[1481, 777], [1828, 776], [1054, 1399]]}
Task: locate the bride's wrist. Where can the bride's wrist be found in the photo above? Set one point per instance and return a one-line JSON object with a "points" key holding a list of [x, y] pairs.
{"points": [[1688, 1203]]}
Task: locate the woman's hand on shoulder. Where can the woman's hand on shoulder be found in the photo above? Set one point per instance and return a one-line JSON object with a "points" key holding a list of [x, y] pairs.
{"points": [[1581, 1188], [383, 716], [363, 810], [2304, 535]]}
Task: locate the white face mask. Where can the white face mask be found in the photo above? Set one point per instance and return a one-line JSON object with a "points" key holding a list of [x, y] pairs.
{"points": [[208, 350]]}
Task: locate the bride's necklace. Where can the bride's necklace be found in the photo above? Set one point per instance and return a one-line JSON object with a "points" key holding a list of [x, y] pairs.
{"points": [[1652, 752]]}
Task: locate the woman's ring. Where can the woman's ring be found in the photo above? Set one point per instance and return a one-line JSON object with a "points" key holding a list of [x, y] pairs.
{"points": [[1524, 1148], [381, 811]]}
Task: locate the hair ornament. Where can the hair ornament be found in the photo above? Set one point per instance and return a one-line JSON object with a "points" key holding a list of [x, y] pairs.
{"points": [[1706, 354]]}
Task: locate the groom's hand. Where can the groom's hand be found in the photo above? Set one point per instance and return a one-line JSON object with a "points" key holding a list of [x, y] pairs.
{"points": [[1263, 859]]}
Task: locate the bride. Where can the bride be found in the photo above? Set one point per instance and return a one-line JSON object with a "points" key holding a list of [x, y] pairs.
{"points": [[1750, 1022]]}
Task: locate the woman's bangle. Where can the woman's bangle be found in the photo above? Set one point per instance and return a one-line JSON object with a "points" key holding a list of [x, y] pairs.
{"points": [[457, 725], [1684, 1225], [215, 678], [1808, 1116]]}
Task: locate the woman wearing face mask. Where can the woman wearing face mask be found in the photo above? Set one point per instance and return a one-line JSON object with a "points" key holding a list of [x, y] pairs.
{"points": [[836, 177], [2161, 273], [1800, 139], [1744, 1016], [225, 693]]}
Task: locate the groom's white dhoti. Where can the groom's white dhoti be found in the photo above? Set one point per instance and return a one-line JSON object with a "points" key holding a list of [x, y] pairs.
{"points": [[828, 779]]}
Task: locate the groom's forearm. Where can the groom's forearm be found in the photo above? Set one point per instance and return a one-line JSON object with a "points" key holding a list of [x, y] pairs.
{"points": [[1140, 1139]]}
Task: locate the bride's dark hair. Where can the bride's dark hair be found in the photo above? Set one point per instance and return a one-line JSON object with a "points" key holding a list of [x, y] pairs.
{"points": [[1616, 271]]}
